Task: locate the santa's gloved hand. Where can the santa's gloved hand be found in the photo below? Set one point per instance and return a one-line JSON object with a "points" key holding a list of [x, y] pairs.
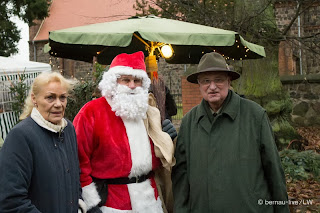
{"points": [[82, 206], [168, 127]]}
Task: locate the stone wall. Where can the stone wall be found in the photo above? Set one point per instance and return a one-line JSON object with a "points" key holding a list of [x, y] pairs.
{"points": [[171, 74], [303, 85], [305, 95]]}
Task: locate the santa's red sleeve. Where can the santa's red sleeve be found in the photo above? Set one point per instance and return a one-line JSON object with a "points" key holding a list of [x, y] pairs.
{"points": [[84, 126], [84, 130]]}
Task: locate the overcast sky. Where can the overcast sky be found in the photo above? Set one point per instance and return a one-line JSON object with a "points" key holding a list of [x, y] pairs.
{"points": [[23, 46]]}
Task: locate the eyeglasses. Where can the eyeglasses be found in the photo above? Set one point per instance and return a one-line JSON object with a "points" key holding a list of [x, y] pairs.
{"points": [[127, 80], [217, 81]]}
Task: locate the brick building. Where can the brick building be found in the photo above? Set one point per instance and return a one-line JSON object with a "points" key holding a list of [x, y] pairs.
{"points": [[73, 13], [299, 62], [294, 60], [294, 56], [299, 67]]}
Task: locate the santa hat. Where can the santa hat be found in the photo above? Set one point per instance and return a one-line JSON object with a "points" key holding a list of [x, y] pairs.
{"points": [[125, 64], [129, 64]]}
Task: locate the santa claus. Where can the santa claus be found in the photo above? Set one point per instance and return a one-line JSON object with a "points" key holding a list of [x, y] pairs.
{"points": [[121, 142]]}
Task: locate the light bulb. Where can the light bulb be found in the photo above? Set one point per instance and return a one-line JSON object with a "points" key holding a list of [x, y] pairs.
{"points": [[166, 51]]}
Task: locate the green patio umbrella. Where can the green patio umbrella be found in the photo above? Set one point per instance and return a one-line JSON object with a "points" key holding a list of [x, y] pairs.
{"points": [[103, 41], [148, 34]]}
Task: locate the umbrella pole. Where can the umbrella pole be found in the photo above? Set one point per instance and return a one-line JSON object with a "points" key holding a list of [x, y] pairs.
{"points": [[152, 66], [157, 84]]}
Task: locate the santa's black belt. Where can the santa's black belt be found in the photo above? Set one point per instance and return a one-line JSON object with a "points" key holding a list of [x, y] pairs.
{"points": [[123, 180]]}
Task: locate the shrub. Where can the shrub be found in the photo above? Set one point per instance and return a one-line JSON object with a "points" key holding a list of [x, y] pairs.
{"points": [[301, 165], [19, 91], [82, 93]]}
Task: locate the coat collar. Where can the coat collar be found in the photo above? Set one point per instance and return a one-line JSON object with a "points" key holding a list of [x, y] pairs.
{"points": [[37, 117], [230, 108], [232, 105]]}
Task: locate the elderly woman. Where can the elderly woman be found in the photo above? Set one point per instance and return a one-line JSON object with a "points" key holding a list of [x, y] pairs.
{"points": [[39, 159]]}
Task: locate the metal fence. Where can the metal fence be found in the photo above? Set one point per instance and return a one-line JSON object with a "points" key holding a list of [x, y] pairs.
{"points": [[7, 81], [178, 99], [7, 121], [9, 118]]}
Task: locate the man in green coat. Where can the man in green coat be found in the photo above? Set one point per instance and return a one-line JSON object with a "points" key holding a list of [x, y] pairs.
{"points": [[227, 160]]}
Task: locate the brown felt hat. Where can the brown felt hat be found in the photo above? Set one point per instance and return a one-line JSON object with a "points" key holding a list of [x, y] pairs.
{"points": [[212, 62]]}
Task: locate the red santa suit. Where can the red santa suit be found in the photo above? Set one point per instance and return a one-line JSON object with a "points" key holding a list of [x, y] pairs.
{"points": [[112, 147]]}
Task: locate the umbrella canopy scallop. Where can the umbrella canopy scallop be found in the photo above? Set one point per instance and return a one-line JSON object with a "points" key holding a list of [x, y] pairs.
{"points": [[189, 41]]}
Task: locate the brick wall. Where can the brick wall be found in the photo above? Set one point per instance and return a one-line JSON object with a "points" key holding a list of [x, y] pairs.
{"points": [[190, 95], [287, 61], [36, 52], [33, 30], [290, 50], [69, 68]]}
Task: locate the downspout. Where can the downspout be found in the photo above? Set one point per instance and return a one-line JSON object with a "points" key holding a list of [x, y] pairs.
{"points": [[34, 51], [299, 36]]}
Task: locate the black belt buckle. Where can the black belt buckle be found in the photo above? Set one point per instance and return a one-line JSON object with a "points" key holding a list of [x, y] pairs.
{"points": [[137, 179]]}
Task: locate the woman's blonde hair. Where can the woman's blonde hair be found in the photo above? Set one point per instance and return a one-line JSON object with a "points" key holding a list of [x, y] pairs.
{"points": [[39, 82]]}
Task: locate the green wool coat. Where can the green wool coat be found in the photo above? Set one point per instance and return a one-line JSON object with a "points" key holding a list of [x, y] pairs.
{"points": [[229, 163]]}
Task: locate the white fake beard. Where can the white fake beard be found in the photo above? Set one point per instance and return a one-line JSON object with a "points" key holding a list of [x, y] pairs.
{"points": [[130, 103]]}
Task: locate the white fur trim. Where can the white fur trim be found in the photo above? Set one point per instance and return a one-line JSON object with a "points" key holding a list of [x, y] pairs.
{"points": [[123, 70], [106, 209], [139, 146], [142, 198], [83, 206], [90, 195], [108, 82]]}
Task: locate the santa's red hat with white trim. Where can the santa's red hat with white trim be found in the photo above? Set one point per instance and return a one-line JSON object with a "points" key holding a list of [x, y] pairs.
{"points": [[134, 60], [125, 64]]}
